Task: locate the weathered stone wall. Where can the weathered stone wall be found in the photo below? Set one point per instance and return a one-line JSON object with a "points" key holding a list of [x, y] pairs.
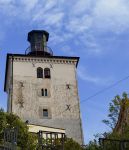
{"points": [[62, 101]]}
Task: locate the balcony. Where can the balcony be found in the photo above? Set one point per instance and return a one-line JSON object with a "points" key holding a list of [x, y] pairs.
{"points": [[39, 50]]}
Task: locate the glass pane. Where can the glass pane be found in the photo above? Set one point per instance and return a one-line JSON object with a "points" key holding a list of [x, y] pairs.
{"points": [[45, 113], [39, 73], [45, 92], [47, 73]]}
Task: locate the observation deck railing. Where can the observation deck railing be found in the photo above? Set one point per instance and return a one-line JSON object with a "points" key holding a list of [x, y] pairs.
{"points": [[35, 50]]}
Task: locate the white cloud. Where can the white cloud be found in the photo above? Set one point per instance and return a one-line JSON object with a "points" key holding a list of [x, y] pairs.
{"points": [[3, 2], [81, 6], [28, 5], [53, 19], [111, 15], [90, 44], [83, 75], [82, 16], [48, 14], [50, 4], [81, 19], [102, 15], [67, 49], [79, 24]]}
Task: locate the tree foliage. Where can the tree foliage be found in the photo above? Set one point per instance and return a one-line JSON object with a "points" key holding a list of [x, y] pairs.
{"points": [[70, 144], [93, 145], [114, 109], [26, 140]]}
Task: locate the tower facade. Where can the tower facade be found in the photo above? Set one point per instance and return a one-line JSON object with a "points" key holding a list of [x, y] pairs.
{"points": [[42, 88]]}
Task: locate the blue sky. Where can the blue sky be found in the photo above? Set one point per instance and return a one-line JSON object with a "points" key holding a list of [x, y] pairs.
{"points": [[96, 31]]}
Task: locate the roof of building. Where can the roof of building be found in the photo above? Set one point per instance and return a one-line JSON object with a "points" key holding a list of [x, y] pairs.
{"points": [[35, 128], [38, 31]]}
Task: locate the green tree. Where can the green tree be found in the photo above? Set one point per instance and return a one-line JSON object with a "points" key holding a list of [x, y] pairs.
{"points": [[26, 140], [70, 144], [114, 109], [93, 145]]}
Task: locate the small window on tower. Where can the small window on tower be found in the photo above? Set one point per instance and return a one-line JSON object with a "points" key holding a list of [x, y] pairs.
{"points": [[45, 112], [39, 72], [47, 73]]}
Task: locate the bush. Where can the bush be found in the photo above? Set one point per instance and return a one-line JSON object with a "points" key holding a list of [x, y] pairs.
{"points": [[70, 144]]}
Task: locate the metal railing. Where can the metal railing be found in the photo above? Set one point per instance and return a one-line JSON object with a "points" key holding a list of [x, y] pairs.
{"points": [[34, 49], [113, 144], [9, 139]]}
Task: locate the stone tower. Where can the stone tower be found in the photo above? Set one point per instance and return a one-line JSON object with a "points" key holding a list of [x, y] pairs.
{"points": [[42, 88]]}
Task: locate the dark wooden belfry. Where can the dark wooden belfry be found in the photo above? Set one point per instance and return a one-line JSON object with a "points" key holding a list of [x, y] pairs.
{"points": [[38, 43]]}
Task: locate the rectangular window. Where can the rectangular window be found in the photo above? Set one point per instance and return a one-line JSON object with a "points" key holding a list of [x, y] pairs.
{"points": [[47, 73], [45, 112], [39, 72]]}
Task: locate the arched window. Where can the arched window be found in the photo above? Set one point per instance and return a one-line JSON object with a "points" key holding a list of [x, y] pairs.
{"points": [[42, 92], [39, 72], [47, 73], [46, 94]]}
